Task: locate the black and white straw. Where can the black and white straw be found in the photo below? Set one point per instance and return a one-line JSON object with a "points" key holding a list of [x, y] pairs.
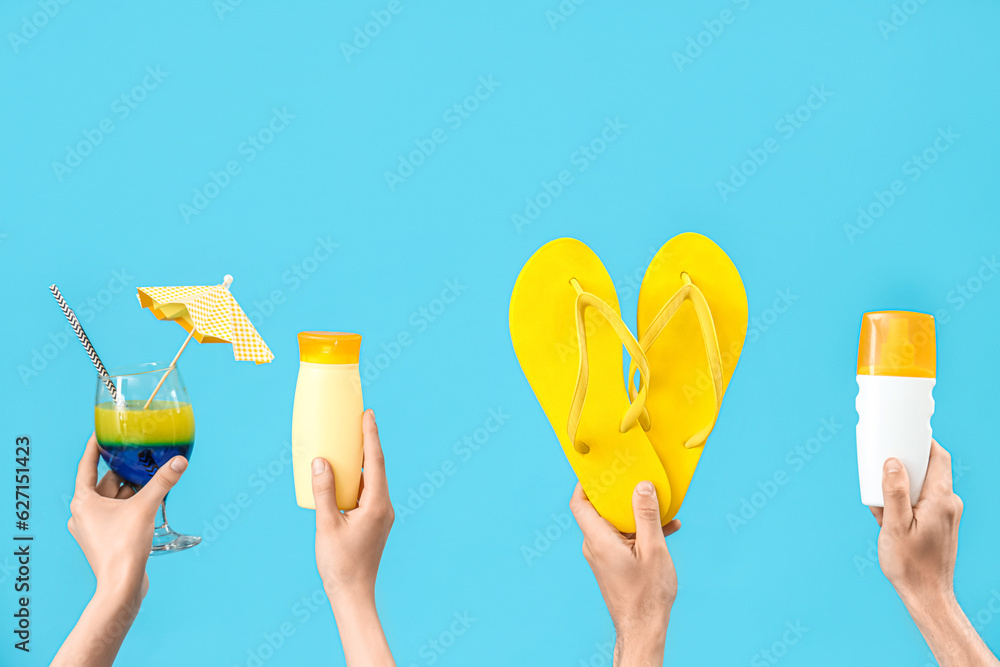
{"points": [[82, 335]]}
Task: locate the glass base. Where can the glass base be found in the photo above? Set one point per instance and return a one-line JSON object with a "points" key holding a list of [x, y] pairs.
{"points": [[166, 540]]}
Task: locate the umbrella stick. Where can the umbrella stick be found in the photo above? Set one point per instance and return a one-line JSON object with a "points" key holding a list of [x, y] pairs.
{"points": [[169, 368]]}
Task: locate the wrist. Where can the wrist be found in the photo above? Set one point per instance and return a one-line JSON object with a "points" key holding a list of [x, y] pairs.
{"points": [[640, 650], [930, 606], [350, 597], [642, 641], [119, 594]]}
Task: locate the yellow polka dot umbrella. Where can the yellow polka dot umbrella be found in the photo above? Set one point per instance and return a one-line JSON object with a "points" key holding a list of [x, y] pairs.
{"points": [[210, 314]]}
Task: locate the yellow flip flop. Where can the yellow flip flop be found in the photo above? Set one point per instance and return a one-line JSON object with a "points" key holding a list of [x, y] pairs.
{"points": [[692, 351], [567, 331]]}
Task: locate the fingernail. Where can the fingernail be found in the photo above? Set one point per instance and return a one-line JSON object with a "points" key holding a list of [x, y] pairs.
{"points": [[371, 414], [318, 466], [645, 489], [891, 466], [179, 464]]}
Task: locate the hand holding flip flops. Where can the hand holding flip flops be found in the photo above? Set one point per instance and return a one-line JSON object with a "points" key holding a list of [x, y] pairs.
{"points": [[567, 332]]}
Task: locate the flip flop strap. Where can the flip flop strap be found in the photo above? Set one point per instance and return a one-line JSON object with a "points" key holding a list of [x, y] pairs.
{"points": [[688, 292], [586, 300]]}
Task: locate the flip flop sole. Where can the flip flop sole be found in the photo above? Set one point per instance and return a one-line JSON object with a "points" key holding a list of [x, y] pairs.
{"points": [[680, 401], [543, 330]]}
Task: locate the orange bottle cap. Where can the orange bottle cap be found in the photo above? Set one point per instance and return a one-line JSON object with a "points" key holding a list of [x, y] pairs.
{"points": [[899, 343], [329, 347]]}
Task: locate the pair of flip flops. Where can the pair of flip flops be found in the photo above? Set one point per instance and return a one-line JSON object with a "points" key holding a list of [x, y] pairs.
{"points": [[567, 331]]}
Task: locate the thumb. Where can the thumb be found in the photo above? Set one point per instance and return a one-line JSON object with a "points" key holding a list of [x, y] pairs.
{"points": [[324, 492], [165, 478], [648, 531], [898, 512]]}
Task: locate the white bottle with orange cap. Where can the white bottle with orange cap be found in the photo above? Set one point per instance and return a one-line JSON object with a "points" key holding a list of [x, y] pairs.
{"points": [[326, 418], [897, 367]]}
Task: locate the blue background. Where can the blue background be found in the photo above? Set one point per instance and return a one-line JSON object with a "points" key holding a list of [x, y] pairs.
{"points": [[804, 556]]}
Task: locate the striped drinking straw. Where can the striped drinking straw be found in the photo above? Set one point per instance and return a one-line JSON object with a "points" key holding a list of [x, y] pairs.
{"points": [[82, 335]]}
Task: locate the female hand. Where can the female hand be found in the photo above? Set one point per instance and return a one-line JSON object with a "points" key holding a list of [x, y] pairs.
{"points": [[349, 548], [635, 574], [349, 545], [113, 524]]}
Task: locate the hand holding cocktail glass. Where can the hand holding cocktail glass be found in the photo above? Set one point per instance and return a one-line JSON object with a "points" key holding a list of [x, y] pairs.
{"points": [[113, 524], [143, 416]]}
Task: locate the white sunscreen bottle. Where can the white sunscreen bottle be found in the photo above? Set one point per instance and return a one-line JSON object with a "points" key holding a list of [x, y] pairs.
{"points": [[897, 366]]}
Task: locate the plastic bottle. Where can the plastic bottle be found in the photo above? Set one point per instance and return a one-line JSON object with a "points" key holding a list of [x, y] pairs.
{"points": [[326, 417], [897, 367]]}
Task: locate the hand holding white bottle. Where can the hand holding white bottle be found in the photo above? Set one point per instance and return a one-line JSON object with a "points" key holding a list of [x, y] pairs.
{"points": [[897, 366]]}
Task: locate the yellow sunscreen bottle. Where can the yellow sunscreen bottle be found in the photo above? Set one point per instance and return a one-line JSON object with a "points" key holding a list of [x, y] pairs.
{"points": [[326, 418]]}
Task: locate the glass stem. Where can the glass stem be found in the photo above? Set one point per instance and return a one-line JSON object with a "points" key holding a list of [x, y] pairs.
{"points": [[163, 525]]}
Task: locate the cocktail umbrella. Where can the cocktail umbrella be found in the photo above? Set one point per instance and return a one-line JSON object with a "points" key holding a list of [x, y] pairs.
{"points": [[210, 314]]}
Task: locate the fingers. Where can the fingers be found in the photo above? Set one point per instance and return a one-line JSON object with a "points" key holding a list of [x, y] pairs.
{"points": [[108, 486], [938, 480], [898, 511], [374, 467], [86, 472], [165, 478], [594, 527], [125, 492], [648, 531], [325, 493], [671, 528], [877, 513]]}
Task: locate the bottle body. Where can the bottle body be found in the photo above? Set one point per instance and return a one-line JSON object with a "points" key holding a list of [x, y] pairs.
{"points": [[326, 422], [894, 421]]}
